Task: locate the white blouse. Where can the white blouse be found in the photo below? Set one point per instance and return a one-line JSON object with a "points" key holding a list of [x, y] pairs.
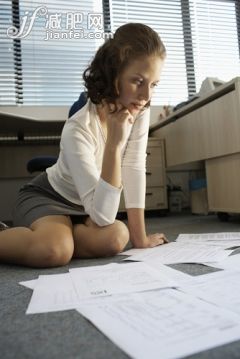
{"points": [[76, 174]]}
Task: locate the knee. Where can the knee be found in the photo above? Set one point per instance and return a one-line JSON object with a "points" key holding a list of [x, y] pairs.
{"points": [[119, 237], [56, 252], [58, 255]]}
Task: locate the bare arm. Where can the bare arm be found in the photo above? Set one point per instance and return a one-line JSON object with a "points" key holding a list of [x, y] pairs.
{"points": [[138, 236]]}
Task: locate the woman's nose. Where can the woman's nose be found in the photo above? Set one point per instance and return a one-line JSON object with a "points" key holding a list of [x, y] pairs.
{"points": [[145, 93]]}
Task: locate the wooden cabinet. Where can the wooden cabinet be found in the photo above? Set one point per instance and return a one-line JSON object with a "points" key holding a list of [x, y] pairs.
{"points": [[208, 129], [156, 192]]}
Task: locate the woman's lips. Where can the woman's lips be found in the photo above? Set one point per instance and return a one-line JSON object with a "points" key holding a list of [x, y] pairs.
{"points": [[136, 106]]}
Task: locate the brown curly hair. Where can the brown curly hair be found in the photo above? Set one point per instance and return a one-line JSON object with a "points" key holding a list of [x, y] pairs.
{"points": [[130, 41]]}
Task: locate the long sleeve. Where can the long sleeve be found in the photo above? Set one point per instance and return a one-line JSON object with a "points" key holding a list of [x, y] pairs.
{"points": [[99, 198], [76, 175], [134, 163]]}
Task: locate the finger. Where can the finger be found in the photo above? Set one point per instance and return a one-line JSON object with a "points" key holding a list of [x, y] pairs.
{"points": [[119, 105], [131, 119], [156, 243], [162, 236], [165, 240], [126, 115], [111, 107]]}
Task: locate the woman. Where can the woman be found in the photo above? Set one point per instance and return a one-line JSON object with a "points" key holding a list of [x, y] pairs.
{"points": [[70, 210]]}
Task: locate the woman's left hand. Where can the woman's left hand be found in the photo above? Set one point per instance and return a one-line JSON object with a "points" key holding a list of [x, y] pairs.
{"points": [[156, 239]]}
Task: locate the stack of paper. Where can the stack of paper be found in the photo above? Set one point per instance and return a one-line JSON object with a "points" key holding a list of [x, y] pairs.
{"points": [[149, 309], [162, 324], [66, 291], [189, 248], [220, 240]]}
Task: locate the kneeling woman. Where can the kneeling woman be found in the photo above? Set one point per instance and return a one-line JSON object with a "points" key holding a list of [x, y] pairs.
{"points": [[70, 210]]}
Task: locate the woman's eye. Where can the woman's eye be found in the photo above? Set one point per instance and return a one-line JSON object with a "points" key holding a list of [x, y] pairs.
{"points": [[138, 82]]}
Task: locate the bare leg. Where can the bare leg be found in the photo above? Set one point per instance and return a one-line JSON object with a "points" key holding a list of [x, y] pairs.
{"points": [[91, 241], [47, 243]]}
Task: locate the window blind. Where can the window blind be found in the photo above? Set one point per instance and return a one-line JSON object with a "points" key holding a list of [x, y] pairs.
{"points": [[215, 40], [7, 70], [201, 36], [40, 69]]}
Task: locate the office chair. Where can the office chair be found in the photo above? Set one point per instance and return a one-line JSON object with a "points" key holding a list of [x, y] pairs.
{"points": [[40, 163]]}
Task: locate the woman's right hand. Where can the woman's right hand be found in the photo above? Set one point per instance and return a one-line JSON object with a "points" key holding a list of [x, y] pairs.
{"points": [[117, 123]]}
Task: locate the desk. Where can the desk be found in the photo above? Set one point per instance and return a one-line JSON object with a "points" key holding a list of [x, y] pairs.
{"points": [[208, 129], [21, 139]]}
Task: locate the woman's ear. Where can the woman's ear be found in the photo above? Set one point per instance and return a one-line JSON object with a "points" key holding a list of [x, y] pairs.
{"points": [[116, 84]]}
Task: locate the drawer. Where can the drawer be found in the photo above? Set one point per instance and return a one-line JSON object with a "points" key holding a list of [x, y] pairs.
{"points": [[155, 176], [154, 156], [156, 198]]}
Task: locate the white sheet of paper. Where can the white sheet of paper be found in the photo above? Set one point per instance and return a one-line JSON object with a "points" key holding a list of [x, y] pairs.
{"points": [[231, 262], [219, 244], [133, 251], [219, 236], [171, 253], [221, 240], [221, 288], [29, 283], [52, 293], [164, 324], [171, 273], [117, 278]]}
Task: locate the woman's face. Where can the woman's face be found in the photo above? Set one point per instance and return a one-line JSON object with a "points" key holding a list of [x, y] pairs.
{"points": [[137, 82]]}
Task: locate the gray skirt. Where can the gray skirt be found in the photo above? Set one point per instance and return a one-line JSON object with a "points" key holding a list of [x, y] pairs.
{"points": [[38, 199]]}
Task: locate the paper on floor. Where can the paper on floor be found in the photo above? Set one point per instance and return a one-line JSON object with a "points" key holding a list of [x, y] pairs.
{"points": [[221, 288], [171, 253], [219, 236], [133, 251], [53, 293], [171, 273], [29, 283], [117, 278], [162, 324], [222, 240], [174, 274], [232, 262], [66, 291]]}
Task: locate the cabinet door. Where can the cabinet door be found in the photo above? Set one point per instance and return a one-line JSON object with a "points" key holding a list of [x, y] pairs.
{"points": [[155, 198], [223, 187], [155, 155], [155, 176]]}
